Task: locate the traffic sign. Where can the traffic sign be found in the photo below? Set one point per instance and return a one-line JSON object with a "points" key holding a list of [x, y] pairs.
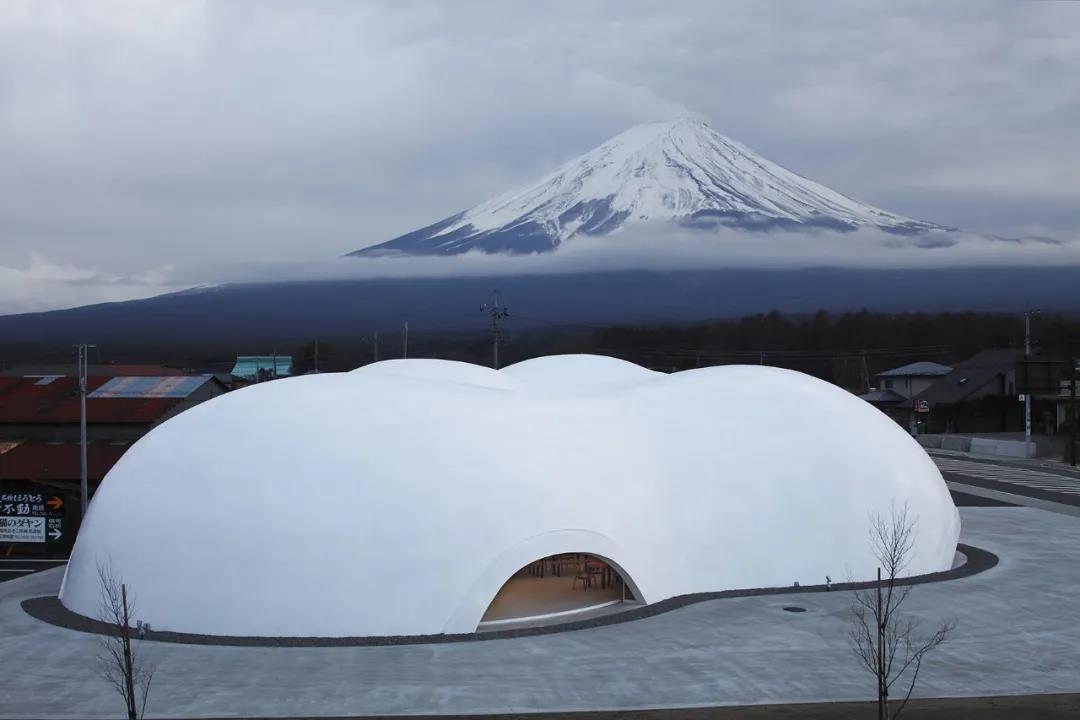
{"points": [[922, 406]]}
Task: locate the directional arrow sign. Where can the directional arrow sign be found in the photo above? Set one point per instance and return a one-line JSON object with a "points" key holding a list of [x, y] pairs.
{"points": [[54, 503], [55, 533]]}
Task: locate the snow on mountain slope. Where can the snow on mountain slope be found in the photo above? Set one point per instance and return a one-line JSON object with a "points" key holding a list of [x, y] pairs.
{"points": [[680, 170]]}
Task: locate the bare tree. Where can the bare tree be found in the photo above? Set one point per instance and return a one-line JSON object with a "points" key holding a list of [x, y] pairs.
{"points": [[887, 643], [118, 661]]}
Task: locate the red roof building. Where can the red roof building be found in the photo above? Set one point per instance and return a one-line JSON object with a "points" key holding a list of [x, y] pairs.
{"points": [[40, 449], [53, 462], [117, 408]]}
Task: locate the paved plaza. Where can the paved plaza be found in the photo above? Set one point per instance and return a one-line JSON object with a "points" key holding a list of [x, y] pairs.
{"points": [[1016, 635]]}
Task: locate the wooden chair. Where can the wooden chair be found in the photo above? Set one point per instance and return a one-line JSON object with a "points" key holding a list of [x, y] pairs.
{"points": [[584, 576]]}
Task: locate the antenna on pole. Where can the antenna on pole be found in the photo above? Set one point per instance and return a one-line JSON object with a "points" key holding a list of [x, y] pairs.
{"points": [[497, 313]]}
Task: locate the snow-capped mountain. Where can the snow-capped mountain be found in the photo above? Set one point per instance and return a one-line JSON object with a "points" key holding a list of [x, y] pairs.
{"points": [[680, 170]]}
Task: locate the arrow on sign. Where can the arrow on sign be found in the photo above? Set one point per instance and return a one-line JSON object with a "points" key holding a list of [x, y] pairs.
{"points": [[54, 503], [55, 533]]}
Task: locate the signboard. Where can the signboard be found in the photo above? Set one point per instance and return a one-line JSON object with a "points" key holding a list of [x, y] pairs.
{"points": [[31, 517], [922, 406], [22, 529]]}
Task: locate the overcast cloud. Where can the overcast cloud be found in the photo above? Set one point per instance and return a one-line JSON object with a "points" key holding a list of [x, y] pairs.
{"points": [[147, 146]]}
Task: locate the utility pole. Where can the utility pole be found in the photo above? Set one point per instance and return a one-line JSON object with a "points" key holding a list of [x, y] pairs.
{"points": [[497, 314], [1073, 429], [375, 346], [316, 356], [865, 371], [1027, 394], [405, 340], [83, 354]]}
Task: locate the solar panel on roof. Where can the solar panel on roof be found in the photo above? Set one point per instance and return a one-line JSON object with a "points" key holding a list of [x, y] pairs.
{"points": [[179, 386]]}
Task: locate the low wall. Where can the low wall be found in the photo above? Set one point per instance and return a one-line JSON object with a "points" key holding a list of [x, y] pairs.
{"points": [[978, 445], [1004, 448]]}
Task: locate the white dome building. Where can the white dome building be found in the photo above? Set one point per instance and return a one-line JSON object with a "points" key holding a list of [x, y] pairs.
{"points": [[399, 498]]}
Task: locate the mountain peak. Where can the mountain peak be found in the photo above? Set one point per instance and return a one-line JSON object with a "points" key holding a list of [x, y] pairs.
{"points": [[678, 170]]}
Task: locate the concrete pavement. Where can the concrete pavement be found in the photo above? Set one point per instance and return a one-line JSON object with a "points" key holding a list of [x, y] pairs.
{"points": [[11, 568], [1016, 634]]}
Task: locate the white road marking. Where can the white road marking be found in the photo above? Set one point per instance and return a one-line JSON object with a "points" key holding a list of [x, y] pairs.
{"points": [[1011, 475]]}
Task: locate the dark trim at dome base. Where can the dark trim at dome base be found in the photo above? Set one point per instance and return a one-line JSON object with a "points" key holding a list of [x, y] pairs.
{"points": [[48, 609]]}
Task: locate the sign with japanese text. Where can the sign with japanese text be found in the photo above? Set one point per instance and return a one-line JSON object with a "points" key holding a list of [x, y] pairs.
{"points": [[31, 517], [22, 529]]}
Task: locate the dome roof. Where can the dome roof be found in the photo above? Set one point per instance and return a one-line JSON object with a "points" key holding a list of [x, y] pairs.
{"points": [[398, 498]]}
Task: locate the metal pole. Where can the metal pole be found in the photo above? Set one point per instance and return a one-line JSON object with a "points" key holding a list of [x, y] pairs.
{"points": [[1027, 393], [1027, 372], [405, 341], [1073, 430], [83, 483], [376, 347], [497, 314], [495, 332]]}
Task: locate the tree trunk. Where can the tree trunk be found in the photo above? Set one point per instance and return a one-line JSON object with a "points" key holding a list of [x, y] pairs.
{"points": [[129, 671], [880, 653]]}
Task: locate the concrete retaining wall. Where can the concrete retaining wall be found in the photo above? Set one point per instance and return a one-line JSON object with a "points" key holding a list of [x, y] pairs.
{"points": [[930, 441], [1004, 448], [977, 445]]}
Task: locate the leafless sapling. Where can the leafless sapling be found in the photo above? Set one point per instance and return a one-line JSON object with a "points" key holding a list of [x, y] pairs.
{"points": [[119, 662], [889, 644]]}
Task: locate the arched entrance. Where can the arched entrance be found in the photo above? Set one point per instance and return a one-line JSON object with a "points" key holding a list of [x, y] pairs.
{"points": [[558, 588], [483, 589]]}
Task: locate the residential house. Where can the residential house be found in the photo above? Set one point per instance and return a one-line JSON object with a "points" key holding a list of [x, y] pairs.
{"points": [[978, 396], [898, 388]]}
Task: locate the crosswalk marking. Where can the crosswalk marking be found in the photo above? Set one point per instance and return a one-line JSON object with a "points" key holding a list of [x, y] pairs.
{"points": [[1011, 475]]}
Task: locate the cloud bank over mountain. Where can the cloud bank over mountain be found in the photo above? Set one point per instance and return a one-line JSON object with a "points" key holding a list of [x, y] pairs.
{"points": [[664, 248]]}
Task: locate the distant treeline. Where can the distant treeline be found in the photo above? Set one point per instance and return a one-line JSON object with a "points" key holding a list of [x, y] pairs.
{"points": [[844, 348]]}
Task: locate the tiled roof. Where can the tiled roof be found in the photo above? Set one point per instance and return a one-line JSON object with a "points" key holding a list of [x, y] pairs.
{"points": [[972, 375], [95, 370], [884, 397], [923, 368], [29, 400], [39, 460]]}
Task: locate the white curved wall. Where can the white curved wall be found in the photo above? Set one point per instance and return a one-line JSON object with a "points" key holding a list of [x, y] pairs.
{"points": [[398, 498]]}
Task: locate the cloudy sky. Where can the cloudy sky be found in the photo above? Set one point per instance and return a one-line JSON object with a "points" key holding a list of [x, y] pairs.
{"points": [[146, 146]]}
